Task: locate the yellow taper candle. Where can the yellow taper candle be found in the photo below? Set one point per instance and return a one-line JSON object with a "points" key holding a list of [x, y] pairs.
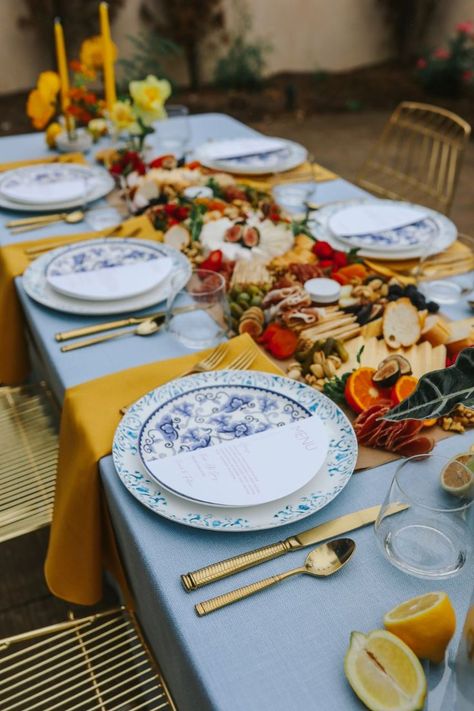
{"points": [[62, 64], [109, 71]]}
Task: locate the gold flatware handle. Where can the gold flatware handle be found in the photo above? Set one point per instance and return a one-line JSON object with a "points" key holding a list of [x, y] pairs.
{"points": [[54, 245], [97, 339], [97, 328], [215, 603], [32, 220], [35, 226], [217, 571]]}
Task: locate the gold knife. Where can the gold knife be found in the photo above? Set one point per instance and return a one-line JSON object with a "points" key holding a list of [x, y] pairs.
{"points": [[110, 325], [329, 529]]}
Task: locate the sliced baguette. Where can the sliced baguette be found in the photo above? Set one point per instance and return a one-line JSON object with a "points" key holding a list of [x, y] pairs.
{"points": [[401, 324]]}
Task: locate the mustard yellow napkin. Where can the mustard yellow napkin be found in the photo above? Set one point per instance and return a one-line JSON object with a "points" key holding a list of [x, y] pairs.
{"points": [[265, 182], [80, 542], [66, 158], [14, 365]]}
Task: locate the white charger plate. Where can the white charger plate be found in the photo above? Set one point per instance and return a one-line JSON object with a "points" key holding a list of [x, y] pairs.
{"points": [[98, 183], [303, 401], [107, 271], [36, 284], [292, 155], [445, 229], [218, 415]]}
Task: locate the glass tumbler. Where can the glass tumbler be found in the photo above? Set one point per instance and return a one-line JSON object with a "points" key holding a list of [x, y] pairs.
{"points": [[174, 132], [433, 537], [198, 315]]}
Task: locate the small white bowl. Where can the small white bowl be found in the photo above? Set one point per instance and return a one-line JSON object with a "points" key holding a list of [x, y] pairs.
{"points": [[322, 290]]}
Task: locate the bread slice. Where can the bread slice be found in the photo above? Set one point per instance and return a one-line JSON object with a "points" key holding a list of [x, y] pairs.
{"points": [[435, 331], [401, 324]]}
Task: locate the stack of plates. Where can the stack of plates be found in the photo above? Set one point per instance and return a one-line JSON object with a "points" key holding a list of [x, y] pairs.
{"points": [[251, 156], [53, 186], [189, 415], [106, 276], [384, 229]]}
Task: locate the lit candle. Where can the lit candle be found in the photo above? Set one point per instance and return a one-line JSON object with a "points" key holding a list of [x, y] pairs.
{"points": [[109, 72], [62, 64]]}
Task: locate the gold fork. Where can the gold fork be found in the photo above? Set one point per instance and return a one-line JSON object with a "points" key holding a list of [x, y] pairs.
{"points": [[241, 362], [33, 252]]}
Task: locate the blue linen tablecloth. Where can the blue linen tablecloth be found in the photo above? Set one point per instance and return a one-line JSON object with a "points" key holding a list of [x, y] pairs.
{"points": [[282, 649]]}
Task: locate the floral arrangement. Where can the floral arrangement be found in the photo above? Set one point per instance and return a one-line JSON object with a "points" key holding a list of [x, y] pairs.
{"points": [[446, 70], [145, 104]]}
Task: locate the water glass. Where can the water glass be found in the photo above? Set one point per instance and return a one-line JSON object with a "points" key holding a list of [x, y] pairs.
{"points": [[204, 319], [296, 193], [174, 133], [432, 538]]}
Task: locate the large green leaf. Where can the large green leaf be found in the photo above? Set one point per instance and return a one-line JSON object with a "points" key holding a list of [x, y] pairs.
{"points": [[439, 392]]}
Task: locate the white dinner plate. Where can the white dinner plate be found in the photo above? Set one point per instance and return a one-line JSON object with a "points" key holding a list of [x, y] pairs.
{"points": [[301, 401], [107, 271], [212, 416], [290, 156], [443, 231], [97, 183], [37, 287]]}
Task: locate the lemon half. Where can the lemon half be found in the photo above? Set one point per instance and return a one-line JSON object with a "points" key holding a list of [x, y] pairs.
{"points": [[384, 672]]}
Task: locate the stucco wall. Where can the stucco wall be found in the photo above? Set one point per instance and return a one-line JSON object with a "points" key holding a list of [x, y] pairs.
{"points": [[306, 35]]}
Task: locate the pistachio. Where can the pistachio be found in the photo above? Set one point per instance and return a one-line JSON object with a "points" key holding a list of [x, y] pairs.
{"points": [[318, 370]]}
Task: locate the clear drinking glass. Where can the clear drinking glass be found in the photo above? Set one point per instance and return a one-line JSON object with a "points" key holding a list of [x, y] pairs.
{"points": [[198, 315], [432, 538], [174, 133], [294, 194]]}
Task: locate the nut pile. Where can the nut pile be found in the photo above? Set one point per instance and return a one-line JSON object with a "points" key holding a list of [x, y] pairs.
{"points": [[458, 420], [318, 364]]}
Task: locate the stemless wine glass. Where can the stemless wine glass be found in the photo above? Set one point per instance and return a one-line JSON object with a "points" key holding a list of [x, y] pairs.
{"points": [[198, 315], [432, 538], [174, 133]]}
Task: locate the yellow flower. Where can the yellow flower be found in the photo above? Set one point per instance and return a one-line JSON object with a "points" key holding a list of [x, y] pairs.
{"points": [[123, 116], [97, 127], [53, 130], [39, 109], [149, 97], [48, 85], [92, 54]]}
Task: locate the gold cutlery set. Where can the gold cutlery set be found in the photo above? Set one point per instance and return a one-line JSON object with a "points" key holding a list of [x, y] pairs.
{"points": [[323, 561]]}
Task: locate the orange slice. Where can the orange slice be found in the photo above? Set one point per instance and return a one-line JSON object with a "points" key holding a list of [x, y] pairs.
{"points": [[361, 392], [403, 388]]}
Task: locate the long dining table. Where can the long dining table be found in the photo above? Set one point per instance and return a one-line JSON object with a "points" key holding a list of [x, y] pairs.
{"points": [[284, 648]]}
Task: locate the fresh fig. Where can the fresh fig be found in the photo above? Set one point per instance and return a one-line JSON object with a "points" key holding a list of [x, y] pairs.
{"points": [[234, 233], [251, 237], [403, 363], [387, 373]]}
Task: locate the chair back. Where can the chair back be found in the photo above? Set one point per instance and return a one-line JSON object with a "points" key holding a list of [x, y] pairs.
{"points": [[418, 156]]}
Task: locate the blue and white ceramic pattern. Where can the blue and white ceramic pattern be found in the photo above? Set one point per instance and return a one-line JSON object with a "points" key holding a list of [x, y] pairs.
{"points": [[89, 257], [268, 400], [292, 155], [437, 233], [98, 182], [37, 287], [406, 237]]}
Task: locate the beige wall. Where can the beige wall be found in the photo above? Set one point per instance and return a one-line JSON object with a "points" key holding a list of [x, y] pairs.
{"points": [[306, 35]]}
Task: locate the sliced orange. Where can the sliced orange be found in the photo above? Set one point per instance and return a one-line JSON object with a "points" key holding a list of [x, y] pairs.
{"points": [[403, 388], [361, 392], [426, 623]]}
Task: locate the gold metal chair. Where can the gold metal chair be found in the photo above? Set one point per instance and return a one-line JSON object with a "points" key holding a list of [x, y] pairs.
{"points": [[418, 156], [28, 460], [100, 662]]}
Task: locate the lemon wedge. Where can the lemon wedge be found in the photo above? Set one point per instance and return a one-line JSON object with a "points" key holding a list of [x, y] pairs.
{"points": [[384, 673], [426, 623], [456, 478]]}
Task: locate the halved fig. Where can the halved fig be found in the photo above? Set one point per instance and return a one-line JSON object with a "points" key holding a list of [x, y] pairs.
{"points": [[387, 373], [403, 363], [251, 237], [234, 233]]}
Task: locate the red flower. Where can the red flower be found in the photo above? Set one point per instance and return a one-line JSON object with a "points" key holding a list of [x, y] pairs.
{"points": [[467, 76], [465, 28], [421, 63], [441, 53]]}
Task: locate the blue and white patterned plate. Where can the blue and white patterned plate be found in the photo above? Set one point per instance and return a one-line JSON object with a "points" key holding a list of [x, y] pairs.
{"points": [[273, 400], [435, 232], [97, 183], [109, 270], [37, 287], [291, 155]]}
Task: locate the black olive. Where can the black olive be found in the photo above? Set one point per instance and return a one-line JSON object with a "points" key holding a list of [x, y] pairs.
{"points": [[395, 289], [410, 290], [432, 307], [364, 314]]}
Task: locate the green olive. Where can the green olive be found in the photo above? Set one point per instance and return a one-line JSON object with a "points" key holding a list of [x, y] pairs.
{"points": [[256, 301], [236, 310]]}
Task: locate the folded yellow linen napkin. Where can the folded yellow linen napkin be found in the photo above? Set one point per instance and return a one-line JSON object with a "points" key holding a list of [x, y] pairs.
{"points": [[14, 366], [320, 174], [80, 544], [66, 158]]}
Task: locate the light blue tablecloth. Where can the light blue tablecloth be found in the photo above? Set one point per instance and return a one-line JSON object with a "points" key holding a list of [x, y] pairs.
{"points": [[282, 649]]}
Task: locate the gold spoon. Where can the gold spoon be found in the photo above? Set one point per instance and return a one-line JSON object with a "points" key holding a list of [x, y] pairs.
{"points": [[321, 562], [145, 328], [33, 223]]}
